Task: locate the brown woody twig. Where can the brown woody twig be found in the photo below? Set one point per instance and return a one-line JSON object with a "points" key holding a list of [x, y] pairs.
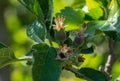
{"points": [[111, 58]]}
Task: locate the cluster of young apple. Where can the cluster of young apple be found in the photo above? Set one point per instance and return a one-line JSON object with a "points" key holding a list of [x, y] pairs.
{"points": [[68, 47]]}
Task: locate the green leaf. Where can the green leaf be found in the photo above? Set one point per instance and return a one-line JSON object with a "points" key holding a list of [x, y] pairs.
{"points": [[78, 3], [98, 39], [113, 29], [45, 66], [47, 8], [6, 55], [103, 3], [110, 27], [73, 18], [105, 26], [39, 56], [93, 26], [113, 18], [95, 13], [36, 32], [92, 74], [94, 9], [34, 7], [88, 50], [115, 9]]}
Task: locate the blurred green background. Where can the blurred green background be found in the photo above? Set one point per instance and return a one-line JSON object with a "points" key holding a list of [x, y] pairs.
{"points": [[14, 19]]}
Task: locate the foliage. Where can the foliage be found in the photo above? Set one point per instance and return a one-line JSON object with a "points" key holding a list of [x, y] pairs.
{"points": [[6, 55], [72, 29]]}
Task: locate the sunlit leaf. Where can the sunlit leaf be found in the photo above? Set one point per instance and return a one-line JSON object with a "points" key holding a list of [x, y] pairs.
{"points": [[94, 10], [114, 9], [78, 3], [73, 18], [36, 32], [110, 27], [92, 4], [113, 30], [103, 3], [111, 2], [95, 13], [45, 66]]}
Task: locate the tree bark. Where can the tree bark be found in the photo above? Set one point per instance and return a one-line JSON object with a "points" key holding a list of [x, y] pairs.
{"points": [[111, 59]]}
